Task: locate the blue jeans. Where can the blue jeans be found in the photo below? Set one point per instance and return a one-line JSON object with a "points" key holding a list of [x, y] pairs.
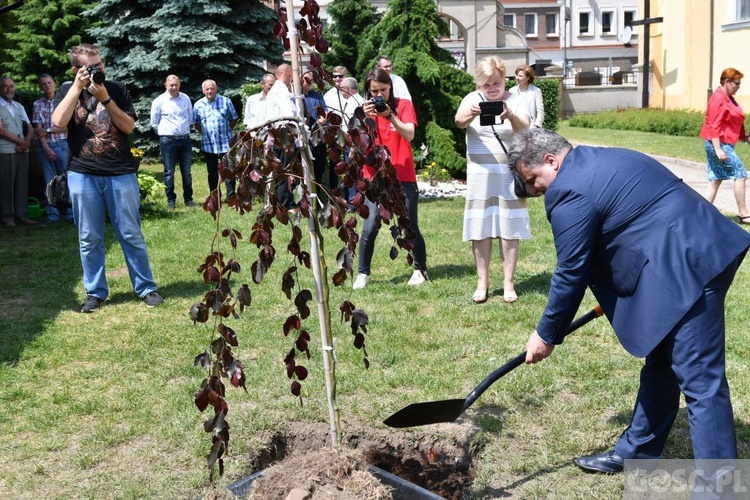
{"points": [[53, 168], [372, 227], [173, 149], [94, 197]]}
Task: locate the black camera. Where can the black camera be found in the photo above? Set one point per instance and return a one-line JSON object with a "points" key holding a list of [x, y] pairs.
{"points": [[489, 110], [379, 103], [96, 75]]}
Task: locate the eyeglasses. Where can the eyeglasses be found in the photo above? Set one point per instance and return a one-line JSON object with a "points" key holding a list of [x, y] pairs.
{"points": [[307, 80], [736, 82], [338, 76]]}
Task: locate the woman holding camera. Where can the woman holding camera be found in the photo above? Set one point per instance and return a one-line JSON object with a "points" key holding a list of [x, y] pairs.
{"points": [[396, 120], [492, 209]]}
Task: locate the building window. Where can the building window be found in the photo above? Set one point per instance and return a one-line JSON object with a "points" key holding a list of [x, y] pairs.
{"points": [[529, 24], [584, 24], [454, 30], [742, 10], [509, 20], [608, 22], [628, 16], [551, 24]]}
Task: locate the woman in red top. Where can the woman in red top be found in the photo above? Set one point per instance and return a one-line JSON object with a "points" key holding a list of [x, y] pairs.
{"points": [[724, 126], [396, 126]]}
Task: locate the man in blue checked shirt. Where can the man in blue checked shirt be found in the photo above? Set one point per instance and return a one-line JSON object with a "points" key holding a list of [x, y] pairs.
{"points": [[214, 117], [53, 140]]}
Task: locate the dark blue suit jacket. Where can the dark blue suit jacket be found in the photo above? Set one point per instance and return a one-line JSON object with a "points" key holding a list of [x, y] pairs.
{"points": [[641, 239]]}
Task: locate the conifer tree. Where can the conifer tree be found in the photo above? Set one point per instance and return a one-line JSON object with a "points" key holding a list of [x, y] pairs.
{"points": [[351, 19], [143, 41], [40, 38]]}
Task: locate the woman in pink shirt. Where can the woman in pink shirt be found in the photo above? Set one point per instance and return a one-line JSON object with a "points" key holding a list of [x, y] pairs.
{"points": [[723, 128]]}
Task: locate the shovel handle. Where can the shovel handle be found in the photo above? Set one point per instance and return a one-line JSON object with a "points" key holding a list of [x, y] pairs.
{"points": [[519, 360]]}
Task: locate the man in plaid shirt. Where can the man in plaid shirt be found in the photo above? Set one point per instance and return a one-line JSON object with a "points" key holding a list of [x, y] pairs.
{"points": [[214, 117], [53, 153]]}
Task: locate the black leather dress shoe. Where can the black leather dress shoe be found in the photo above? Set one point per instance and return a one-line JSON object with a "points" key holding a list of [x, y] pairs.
{"points": [[607, 463]]}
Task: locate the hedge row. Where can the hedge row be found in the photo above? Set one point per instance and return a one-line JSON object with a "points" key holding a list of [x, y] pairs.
{"points": [[679, 122]]}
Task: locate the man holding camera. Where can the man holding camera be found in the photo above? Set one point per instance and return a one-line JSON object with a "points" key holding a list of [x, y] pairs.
{"points": [[102, 178]]}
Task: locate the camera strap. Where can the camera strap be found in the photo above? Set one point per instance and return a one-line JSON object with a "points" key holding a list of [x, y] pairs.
{"points": [[497, 136]]}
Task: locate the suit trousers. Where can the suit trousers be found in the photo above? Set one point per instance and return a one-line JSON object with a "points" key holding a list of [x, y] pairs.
{"points": [[691, 360], [14, 186]]}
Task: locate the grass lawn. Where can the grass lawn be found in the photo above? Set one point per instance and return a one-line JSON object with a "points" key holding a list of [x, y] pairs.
{"points": [[101, 405]]}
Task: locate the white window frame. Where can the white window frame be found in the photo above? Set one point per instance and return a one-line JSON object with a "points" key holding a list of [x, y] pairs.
{"points": [[589, 27], [555, 33], [513, 18], [612, 23], [535, 24], [633, 29], [737, 8]]}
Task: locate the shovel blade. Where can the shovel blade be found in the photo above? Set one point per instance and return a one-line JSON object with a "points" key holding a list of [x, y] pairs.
{"points": [[433, 412]]}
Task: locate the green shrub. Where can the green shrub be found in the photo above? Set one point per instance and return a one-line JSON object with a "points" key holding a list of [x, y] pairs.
{"points": [[550, 88], [677, 122]]}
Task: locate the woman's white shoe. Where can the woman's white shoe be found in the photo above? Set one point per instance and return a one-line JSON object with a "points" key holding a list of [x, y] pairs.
{"points": [[417, 278], [361, 281]]}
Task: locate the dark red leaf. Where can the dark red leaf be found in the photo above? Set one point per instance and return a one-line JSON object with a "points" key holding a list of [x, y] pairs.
{"points": [[321, 45], [211, 274], [339, 278], [301, 344], [301, 300], [301, 372], [244, 297], [359, 340], [296, 388], [292, 322], [229, 335]]}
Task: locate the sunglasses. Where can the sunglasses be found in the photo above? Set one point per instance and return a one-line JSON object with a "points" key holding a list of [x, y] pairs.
{"points": [[736, 82], [338, 76]]}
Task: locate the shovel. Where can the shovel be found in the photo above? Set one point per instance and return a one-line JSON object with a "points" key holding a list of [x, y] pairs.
{"points": [[450, 409]]}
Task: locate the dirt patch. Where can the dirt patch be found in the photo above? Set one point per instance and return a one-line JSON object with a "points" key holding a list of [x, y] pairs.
{"points": [[303, 459]]}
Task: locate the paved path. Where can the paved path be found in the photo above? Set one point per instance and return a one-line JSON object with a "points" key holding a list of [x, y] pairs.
{"points": [[694, 174]]}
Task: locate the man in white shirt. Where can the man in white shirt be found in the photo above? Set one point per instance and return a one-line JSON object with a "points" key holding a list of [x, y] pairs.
{"points": [[280, 102], [280, 98], [334, 99], [171, 115], [14, 157], [256, 107], [400, 90], [350, 90]]}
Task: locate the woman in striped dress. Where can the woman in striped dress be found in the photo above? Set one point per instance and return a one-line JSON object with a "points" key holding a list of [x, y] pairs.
{"points": [[492, 209]]}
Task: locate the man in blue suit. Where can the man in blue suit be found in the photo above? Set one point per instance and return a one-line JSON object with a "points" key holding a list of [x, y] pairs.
{"points": [[659, 259]]}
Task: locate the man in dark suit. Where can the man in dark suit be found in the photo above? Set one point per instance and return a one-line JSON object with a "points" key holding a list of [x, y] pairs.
{"points": [[659, 259]]}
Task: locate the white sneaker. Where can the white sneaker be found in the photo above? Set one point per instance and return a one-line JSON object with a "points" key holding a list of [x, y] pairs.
{"points": [[361, 281], [417, 278]]}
